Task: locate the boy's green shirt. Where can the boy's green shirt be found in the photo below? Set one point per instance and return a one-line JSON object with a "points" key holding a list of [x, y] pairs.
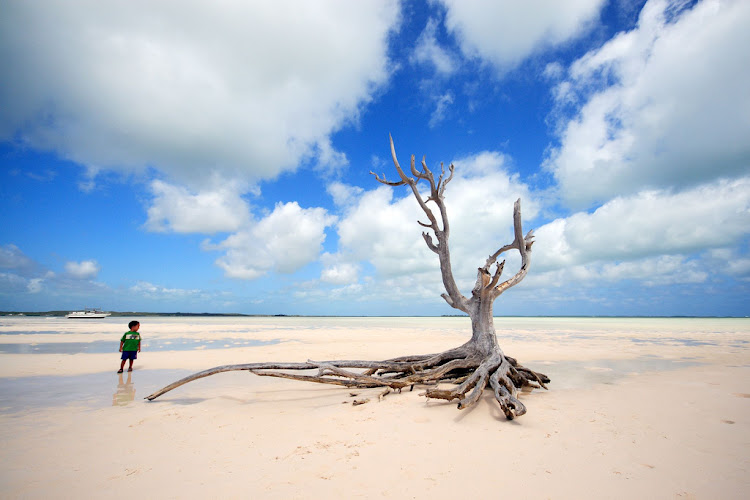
{"points": [[131, 340]]}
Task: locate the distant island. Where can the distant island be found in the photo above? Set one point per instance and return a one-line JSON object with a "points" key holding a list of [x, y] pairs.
{"points": [[142, 314]]}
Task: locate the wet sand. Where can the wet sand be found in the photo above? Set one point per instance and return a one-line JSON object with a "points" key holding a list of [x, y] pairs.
{"points": [[651, 407]]}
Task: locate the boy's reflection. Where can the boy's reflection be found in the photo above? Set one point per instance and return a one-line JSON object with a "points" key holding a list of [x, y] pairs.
{"points": [[125, 391]]}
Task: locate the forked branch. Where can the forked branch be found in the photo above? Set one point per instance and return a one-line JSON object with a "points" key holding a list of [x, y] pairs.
{"points": [[522, 244]]}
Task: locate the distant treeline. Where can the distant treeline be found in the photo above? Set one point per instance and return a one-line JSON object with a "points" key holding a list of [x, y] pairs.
{"points": [[139, 313]]}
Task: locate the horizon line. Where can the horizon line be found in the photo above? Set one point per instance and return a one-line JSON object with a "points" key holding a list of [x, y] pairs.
{"points": [[56, 313]]}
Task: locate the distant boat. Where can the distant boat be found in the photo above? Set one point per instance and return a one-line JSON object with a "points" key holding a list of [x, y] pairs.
{"points": [[88, 313]]}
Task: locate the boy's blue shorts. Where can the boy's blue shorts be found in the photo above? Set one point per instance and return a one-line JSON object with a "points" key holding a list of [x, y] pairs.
{"points": [[129, 355]]}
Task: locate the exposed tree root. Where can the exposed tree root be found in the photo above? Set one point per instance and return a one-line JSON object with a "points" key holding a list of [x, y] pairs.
{"points": [[468, 370]]}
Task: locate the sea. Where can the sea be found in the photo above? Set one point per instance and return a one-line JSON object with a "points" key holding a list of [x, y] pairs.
{"points": [[59, 335], [620, 346]]}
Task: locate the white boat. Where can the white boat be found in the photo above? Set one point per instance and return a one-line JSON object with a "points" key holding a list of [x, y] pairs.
{"points": [[88, 313]]}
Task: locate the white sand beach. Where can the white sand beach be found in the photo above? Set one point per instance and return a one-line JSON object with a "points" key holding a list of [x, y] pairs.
{"points": [[652, 408]]}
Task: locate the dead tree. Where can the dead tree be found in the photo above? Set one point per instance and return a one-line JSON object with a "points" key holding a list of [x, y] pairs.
{"points": [[469, 368]]}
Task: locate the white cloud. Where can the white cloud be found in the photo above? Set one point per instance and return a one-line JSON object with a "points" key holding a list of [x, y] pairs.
{"points": [[553, 71], [340, 269], [731, 262], [177, 209], [442, 103], [384, 231], [669, 107], [739, 267], [14, 285], [344, 273], [655, 271], [342, 194], [429, 51], [11, 283], [11, 257], [649, 224], [144, 288], [505, 32], [26, 280], [23, 276], [347, 294], [84, 270], [35, 285], [330, 160], [480, 207], [284, 241], [245, 88]]}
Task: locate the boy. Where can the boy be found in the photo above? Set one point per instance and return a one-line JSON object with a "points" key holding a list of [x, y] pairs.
{"points": [[130, 345]]}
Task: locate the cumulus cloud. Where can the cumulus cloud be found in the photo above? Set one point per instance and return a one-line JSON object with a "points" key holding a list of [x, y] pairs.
{"points": [[428, 51], [22, 274], [654, 271], [150, 290], [480, 206], [662, 105], [731, 262], [648, 224], [342, 273], [343, 195], [175, 208], [11, 257], [330, 161], [23, 280], [190, 88], [11, 283], [284, 241], [25, 291], [383, 230], [84, 270], [506, 32]]}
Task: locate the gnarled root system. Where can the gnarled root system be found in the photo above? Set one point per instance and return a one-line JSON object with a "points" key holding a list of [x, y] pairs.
{"points": [[466, 368]]}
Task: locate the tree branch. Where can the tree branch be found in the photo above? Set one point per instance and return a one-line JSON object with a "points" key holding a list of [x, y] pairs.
{"points": [[523, 245], [496, 277], [457, 301], [430, 244], [388, 183]]}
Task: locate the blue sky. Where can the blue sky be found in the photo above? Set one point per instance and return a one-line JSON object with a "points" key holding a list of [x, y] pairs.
{"points": [[204, 157]]}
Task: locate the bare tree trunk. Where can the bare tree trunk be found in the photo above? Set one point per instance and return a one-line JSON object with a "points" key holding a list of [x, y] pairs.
{"points": [[470, 368]]}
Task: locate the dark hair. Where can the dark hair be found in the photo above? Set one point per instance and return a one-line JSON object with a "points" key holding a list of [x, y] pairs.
{"points": [[132, 324]]}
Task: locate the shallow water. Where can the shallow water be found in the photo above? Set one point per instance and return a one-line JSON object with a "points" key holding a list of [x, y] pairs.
{"points": [[687, 341], [192, 328], [581, 374], [102, 346], [24, 394]]}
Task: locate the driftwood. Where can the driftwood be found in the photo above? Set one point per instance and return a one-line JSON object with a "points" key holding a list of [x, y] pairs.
{"points": [[469, 368]]}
